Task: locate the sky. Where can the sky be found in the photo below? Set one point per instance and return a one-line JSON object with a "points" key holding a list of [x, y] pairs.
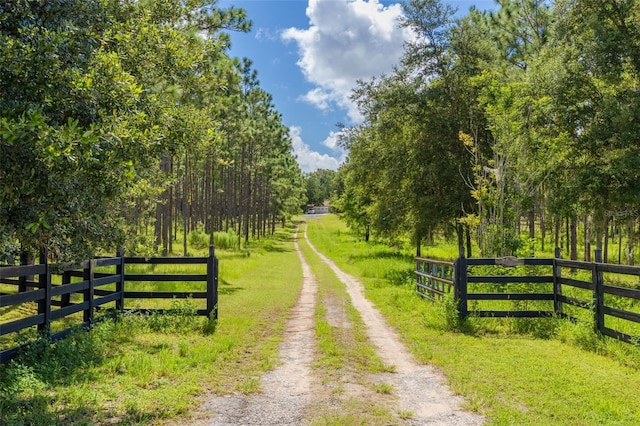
{"points": [[309, 55]]}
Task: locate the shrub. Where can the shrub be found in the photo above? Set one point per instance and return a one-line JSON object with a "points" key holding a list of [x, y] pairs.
{"points": [[198, 239], [226, 240]]}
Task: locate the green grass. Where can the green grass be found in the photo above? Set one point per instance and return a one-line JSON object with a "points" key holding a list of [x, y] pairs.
{"points": [[510, 378], [145, 369]]}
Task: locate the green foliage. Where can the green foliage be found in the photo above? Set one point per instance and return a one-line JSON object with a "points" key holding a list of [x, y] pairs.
{"points": [[527, 111], [181, 316], [212, 322], [96, 94], [319, 185], [226, 240], [198, 239], [579, 334], [450, 316]]}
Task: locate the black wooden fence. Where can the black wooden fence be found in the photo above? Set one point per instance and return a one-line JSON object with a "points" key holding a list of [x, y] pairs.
{"points": [[603, 293], [34, 283]]}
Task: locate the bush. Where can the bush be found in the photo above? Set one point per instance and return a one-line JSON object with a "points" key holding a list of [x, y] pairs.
{"points": [[226, 240], [198, 239]]}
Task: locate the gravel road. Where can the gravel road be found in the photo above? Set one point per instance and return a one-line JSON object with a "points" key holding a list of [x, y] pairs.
{"points": [[289, 389]]}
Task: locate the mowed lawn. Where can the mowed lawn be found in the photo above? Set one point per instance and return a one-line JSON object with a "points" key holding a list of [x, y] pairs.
{"points": [[512, 379]]}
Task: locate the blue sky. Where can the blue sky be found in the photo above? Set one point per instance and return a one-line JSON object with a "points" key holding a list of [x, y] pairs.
{"points": [[309, 53]]}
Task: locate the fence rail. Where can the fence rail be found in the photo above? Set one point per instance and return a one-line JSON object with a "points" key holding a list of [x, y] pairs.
{"points": [[434, 277], [611, 306], [56, 301]]}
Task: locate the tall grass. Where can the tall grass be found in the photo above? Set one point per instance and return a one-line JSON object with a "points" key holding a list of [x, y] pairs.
{"points": [[229, 240]]}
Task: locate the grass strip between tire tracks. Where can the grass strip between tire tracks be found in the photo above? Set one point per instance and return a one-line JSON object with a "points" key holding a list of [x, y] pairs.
{"points": [[346, 359]]}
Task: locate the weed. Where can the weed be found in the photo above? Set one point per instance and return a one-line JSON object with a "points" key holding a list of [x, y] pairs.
{"points": [[212, 322], [384, 388], [579, 333], [227, 240], [249, 385], [405, 415]]}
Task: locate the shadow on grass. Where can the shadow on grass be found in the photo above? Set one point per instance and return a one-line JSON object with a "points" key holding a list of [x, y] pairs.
{"points": [[38, 410], [30, 385], [382, 254], [270, 246], [226, 288], [25, 382], [401, 277]]}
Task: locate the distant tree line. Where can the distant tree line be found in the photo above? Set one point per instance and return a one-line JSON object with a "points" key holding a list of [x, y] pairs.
{"points": [[504, 127], [319, 186], [125, 123]]}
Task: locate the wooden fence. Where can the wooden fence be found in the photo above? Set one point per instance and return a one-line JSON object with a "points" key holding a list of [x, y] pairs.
{"points": [[603, 293], [34, 283]]}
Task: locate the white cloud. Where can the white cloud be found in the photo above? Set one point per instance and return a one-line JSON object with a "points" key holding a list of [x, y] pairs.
{"points": [[309, 160], [347, 40], [266, 34], [318, 97], [333, 142]]}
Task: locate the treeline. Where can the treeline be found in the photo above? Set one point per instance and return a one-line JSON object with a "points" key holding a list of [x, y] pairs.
{"points": [[502, 128], [126, 123]]}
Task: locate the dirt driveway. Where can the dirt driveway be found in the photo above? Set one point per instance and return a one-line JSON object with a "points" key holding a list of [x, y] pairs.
{"points": [[292, 394]]}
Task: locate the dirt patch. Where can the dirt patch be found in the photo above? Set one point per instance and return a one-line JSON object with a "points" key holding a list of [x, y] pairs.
{"points": [[336, 313]]}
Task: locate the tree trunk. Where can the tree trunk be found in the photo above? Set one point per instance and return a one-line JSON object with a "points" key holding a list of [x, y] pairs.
{"points": [[605, 251], [587, 239], [573, 227], [185, 208], [566, 235], [619, 244], [630, 242], [543, 216], [460, 235]]}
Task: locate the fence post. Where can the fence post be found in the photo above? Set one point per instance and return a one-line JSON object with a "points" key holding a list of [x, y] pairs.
{"points": [[557, 286], [417, 275], [66, 279], [89, 293], [22, 280], [120, 282], [44, 281], [212, 284], [460, 285], [598, 293]]}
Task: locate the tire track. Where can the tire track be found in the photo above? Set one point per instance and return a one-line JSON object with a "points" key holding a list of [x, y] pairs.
{"points": [[287, 390], [420, 389]]}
